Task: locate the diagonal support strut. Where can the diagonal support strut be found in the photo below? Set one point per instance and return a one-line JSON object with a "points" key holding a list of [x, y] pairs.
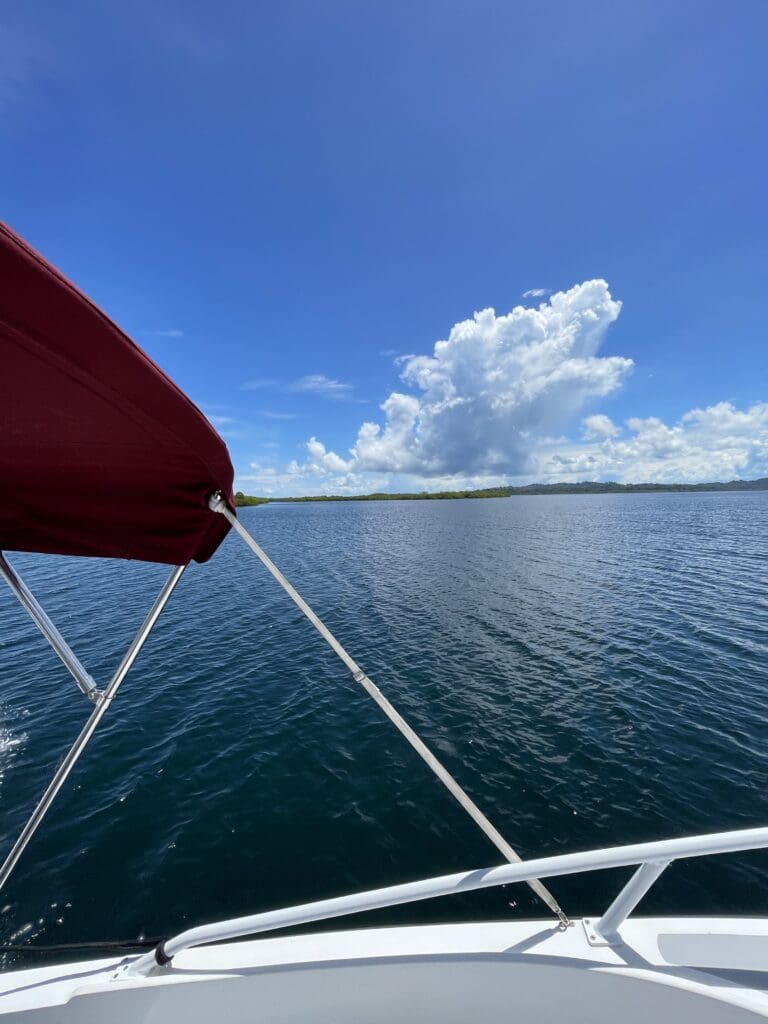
{"points": [[218, 504], [29, 602], [103, 699]]}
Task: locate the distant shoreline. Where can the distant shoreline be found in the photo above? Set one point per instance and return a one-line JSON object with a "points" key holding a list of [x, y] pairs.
{"points": [[587, 487]]}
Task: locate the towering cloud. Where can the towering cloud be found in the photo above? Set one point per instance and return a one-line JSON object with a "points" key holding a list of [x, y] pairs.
{"points": [[481, 398]]}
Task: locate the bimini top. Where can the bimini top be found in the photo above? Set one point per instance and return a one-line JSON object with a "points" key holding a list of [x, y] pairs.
{"points": [[100, 453]]}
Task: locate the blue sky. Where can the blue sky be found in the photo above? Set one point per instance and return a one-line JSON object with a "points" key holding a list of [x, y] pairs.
{"points": [[278, 200]]}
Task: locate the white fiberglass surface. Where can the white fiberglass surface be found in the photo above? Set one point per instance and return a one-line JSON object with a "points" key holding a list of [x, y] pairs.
{"points": [[528, 972], [452, 992]]}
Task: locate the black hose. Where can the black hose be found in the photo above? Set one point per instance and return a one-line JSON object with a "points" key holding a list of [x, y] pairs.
{"points": [[61, 947]]}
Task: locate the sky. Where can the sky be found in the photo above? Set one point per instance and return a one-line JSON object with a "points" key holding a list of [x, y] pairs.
{"points": [[415, 246]]}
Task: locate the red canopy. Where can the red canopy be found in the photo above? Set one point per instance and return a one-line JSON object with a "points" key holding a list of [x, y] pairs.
{"points": [[100, 453]]}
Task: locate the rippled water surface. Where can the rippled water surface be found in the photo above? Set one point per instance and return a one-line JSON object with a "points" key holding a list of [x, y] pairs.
{"points": [[593, 669]]}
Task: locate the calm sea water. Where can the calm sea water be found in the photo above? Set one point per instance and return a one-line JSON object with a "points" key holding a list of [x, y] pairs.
{"points": [[593, 669]]}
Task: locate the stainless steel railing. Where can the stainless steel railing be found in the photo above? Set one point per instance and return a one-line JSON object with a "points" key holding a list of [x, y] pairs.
{"points": [[653, 858]]}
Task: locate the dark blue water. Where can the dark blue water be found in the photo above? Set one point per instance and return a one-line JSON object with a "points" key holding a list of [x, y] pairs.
{"points": [[593, 669]]}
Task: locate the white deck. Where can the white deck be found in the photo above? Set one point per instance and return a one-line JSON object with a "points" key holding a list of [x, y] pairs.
{"points": [[667, 969]]}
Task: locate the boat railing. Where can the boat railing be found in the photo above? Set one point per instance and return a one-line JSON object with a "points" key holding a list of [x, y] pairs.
{"points": [[652, 859]]}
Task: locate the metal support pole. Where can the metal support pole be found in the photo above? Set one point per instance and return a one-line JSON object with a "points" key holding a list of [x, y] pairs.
{"points": [[217, 504], [102, 703], [641, 881], [28, 601]]}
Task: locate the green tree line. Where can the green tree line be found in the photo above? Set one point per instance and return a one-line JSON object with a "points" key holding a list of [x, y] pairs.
{"points": [[585, 487]]}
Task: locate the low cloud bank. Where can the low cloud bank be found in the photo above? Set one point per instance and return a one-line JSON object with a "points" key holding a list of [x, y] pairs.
{"points": [[720, 442]]}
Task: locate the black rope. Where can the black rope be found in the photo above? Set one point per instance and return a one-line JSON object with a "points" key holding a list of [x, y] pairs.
{"points": [[61, 947]]}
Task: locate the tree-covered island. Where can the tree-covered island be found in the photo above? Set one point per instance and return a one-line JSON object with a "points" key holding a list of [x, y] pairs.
{"points": [[585, 487]]}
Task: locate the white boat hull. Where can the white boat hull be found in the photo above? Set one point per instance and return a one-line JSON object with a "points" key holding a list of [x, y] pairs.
{"points": [[666, 969]]}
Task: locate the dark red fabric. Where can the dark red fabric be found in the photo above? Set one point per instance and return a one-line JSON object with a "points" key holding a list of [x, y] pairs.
{"points": [[100, 453]]}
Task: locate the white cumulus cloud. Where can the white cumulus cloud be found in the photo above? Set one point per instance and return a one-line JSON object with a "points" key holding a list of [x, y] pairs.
{"points": [[599, 427], [486, 406], [494, 384], [719, 442], [322, 461]]}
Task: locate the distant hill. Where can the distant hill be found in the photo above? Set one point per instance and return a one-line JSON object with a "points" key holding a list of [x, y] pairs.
{"points": [[586, 487]]}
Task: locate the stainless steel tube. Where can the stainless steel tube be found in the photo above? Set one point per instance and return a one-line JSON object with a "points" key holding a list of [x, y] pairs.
{"points": [[68, 657], [103, 701]]}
